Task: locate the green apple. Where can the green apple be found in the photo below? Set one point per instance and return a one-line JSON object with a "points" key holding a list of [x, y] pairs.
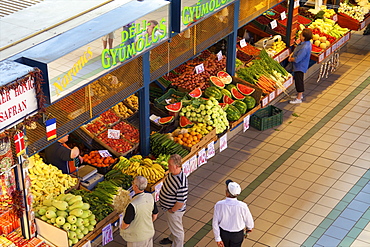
{"points": [[72, 219], [67, 226], [60, 220], [73, 227], [50, 214]]}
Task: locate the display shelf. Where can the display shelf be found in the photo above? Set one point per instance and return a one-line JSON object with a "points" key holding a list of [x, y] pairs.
{"points": [[319, 57], [268, 98]]}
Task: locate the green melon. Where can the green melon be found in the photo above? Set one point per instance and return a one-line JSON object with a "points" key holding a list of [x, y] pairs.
{"points": [[213, 91], [250, 102], [241, 106], [230, 86], [224, 91]]}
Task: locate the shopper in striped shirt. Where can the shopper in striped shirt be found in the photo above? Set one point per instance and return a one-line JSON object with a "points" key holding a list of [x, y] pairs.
{"points": [[172, 199]]}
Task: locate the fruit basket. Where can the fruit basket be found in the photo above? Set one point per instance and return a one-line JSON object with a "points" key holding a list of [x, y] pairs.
{"points": [[170, 97], [266, 118]]}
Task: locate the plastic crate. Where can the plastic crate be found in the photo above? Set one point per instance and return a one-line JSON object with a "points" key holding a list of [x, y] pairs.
{"points": [[170, 94], [266, 118]]}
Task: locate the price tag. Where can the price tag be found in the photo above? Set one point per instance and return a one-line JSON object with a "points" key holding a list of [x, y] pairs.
{"points": [[87, 244], [277, 59], [104, 153], [273, 24], [246, 123], [272, 96], [120, 220], [223, 142], [290, 81], [296, 3], [284, 55], [243, 43], [219, 55], [157, 189], [328, 51], [283, 15], [322, 56], [199, 68], [193, 163], [362, 25], [335, 17], [113, 134], [211, 150], [265, 101], [202, 157], [186, 168], [107, 234]]}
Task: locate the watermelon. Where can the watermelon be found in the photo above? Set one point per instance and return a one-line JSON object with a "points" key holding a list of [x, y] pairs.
{"points": [[185, 122], [165, 120], [250, 102], [213, 91], [226, 99], [241, 106], [175, 107], [316, 49], [224, 77], [233, 113], [217, 82], [244, 89], [196, 93], [230, 86], [236, 95], [226, 92], [223, 105]]}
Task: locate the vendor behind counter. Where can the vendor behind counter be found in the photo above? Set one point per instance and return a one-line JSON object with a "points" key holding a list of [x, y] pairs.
{"points": [[62, 156]]}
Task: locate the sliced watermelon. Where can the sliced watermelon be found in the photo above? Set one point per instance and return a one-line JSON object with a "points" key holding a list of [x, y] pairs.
{"points": [[175, 107], [217, 82], [316, 49], [226, 99], [224, 77], [236, 95], [166, 120], [244, 89], [196, 93], [185, 122], [223, 105]]}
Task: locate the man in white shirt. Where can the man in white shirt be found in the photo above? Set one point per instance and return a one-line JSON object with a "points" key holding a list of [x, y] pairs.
{"points": [[231, 217]]}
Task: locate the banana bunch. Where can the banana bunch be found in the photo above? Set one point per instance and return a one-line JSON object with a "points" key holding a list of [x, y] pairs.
{"points": [[122, 110], [122, 163], [47, 181], [144, 167], [133, 101]]}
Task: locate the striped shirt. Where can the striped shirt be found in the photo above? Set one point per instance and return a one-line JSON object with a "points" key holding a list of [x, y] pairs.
{"points": [[174, 189]]}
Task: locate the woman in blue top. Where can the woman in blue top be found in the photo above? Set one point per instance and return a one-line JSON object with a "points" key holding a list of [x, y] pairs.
{"points": [[300, 59]]}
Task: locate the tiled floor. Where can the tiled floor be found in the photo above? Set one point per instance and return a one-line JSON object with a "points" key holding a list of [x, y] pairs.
{"points": [[307, 180]]}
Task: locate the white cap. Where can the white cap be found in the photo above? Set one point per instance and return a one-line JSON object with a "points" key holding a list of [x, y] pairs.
{"points": [[233, 188]]}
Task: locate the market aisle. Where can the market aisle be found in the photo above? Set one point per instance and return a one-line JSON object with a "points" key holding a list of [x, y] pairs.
{"points": [[307, 180]]}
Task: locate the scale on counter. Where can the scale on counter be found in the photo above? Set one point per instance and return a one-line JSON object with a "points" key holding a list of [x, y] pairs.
{"points": [[267, 42], [89, 176]]}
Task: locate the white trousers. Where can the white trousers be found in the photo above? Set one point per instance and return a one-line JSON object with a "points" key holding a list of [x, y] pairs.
{"points": [[174, 221]]}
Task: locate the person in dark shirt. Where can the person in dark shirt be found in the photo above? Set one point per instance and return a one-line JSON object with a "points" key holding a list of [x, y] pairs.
{"points": [[137, 227], [63, 157]]}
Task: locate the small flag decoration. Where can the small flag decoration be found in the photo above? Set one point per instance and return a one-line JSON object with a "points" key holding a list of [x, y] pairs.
{"points": [[19, 143], [51, 128]]}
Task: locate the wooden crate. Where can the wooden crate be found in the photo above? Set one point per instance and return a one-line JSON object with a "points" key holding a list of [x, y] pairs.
{"points": [[350, 23]]}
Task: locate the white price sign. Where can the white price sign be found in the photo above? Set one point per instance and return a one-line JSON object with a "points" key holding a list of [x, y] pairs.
{"points": [[87, 244], [107, 234], [211, 150], [273, 24], [202, 157], [246, 123], [296, 3], [335, 18], [265, 101], [199, 68], [104, 153], [157, 189], [186, 168], [120, 220], [219, 55], [283, 15], [193, 163], [243, 43], [272, 96], [279, 91], [328, 51], [223, 142], [113, 134]]}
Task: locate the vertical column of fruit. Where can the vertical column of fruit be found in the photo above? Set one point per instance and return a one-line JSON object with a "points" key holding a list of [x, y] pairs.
{"points": [[10, 205]]}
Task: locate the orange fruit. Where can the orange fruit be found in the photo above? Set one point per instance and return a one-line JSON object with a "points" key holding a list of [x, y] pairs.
{"points": [[180, 136], [180, 142], [184, 139], [175, 139], [190, 138], [195, 138], [186, 135], [193, 133], [199, 136], [189, 141]]}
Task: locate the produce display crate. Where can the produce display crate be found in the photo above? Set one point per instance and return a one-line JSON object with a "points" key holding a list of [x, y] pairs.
{"points": [[205, 140], [266, 118], [114, 152], [90, 134], [170, 94], [350, 23]]}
